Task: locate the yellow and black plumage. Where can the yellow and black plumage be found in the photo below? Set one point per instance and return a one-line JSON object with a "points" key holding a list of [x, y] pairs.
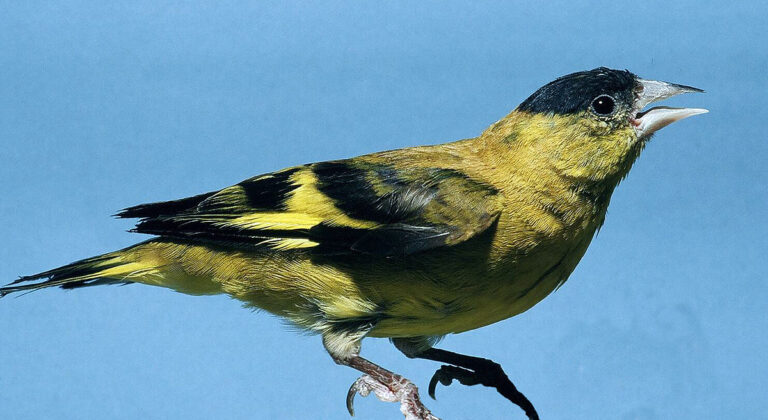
{"points": [[410, 244]]}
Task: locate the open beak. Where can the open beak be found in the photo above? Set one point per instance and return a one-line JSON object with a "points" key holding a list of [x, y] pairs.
{"points": [[656, 118]]}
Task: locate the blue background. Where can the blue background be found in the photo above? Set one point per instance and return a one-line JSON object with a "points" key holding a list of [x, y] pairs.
{"points": [[105, 106]]}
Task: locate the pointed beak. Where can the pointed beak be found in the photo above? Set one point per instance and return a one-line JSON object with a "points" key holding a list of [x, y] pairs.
{"points": [[656, 118]]}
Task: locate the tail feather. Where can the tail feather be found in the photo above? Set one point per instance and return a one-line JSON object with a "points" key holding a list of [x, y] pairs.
{"points": [[158, 262], [104, 269]]}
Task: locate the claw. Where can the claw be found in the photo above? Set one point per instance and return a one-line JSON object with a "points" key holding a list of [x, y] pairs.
{"points": [[446, 374], [492, 376], [364, 385], [351, 399], [404, 392], [433, 385]]}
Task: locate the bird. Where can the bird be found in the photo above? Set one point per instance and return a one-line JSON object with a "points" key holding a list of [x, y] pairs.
{"points": [[410, 244]]}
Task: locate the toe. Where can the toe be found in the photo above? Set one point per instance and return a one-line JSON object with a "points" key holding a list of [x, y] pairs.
{"points": [[364, 385]]}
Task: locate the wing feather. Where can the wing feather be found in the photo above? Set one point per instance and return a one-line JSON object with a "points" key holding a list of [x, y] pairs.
{"points": [[338, 207]]}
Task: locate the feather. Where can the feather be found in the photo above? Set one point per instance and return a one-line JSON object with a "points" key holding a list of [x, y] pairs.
{"points": [[348, 206]]}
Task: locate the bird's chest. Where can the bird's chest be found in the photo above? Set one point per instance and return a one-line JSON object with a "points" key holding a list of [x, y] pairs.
{"points": [[538, 250], [464, 296], [529, 252], [531, 257]]}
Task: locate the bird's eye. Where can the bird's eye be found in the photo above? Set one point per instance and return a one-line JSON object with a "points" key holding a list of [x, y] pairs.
{"points": [[603, 105]]}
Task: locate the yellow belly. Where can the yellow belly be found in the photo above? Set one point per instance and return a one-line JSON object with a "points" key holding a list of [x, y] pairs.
{"points": [[448, 291], [489, 297]]}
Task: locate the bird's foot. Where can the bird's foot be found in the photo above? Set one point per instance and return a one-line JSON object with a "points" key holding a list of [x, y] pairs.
{"points": [[491, 375], [447, 374], [399, 389]]}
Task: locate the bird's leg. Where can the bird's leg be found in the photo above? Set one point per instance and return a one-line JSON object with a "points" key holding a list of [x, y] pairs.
{"points": [[470, 370], [387, 386]]}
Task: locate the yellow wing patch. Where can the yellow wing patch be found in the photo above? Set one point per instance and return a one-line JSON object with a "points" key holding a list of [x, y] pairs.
{"points": [[307, 201]]}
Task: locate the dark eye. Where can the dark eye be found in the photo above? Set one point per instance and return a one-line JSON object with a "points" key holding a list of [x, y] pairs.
{"points": [[603, 105]]}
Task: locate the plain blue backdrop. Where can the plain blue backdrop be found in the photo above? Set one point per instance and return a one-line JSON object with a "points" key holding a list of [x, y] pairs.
{"points": [[105, 106]]}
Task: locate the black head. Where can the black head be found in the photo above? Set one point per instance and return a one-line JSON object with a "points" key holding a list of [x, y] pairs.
{"points": [[599, 90]]}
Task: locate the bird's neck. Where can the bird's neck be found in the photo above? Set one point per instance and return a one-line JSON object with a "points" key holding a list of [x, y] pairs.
{"points": [[560, 174], [560, 146]]}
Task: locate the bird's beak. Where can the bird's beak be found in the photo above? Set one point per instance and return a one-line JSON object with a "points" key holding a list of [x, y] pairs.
{"points": [[656, 118]]}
